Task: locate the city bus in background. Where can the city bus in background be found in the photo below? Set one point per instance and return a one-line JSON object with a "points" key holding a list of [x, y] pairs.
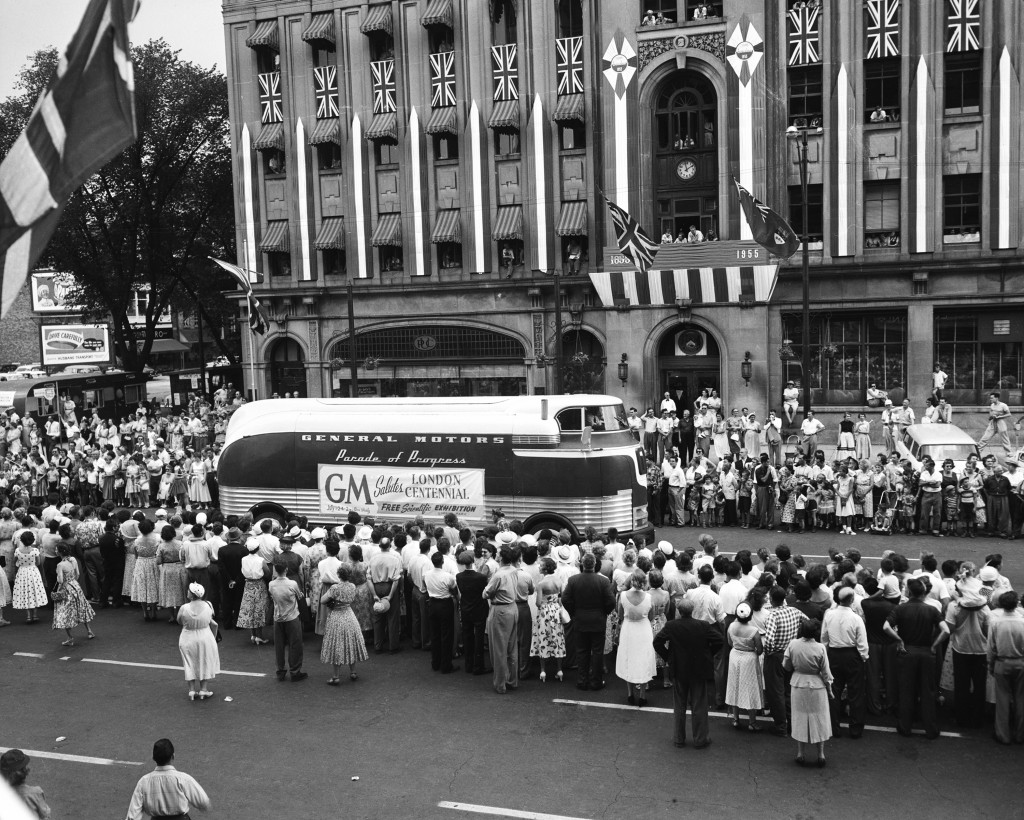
{"points": [[550, 461], [109, 395]]}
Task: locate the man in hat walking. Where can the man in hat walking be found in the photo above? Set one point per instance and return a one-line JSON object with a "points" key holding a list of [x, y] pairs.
{"points": [[232, 581], [165, 792]]}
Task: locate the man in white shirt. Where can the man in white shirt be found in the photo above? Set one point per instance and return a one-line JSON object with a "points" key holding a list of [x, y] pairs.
{"points": [[419, 565], [707, 605], [939, 379], [667, 403], [790, 399], [664, 435], [734, 591], [810, 427], [998, 416], [845, 637], [676, 477], [269, 544]]}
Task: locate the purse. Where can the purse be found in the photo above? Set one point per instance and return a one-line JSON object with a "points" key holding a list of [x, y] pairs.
{"points": [[59, 594], [563, 614]]}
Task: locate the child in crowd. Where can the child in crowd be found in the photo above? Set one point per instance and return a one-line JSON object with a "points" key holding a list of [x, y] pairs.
{"points": [[745, 492], [966, 513], [826, 504], [951, 508], [908, 510]]}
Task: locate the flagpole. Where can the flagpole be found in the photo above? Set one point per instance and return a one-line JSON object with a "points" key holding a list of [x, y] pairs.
{"points": [[252, 333]]}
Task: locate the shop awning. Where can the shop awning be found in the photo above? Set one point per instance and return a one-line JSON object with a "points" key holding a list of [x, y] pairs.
{"points": [[439, 13], [326, 131], [378, 19], [569, 109], [383, 127], [331, 236], [320, 29], [505, 116], [169, 346], [265, 36], [448, 227], [388, 231], [275, 237], [572, 221], [270, 137], [509, 224], [442, 121]]}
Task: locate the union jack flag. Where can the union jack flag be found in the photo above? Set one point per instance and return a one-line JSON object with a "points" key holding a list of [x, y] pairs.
{"points": [[883, 28], [963, 25], [569, 65], [383, 72], [442, 79], [804, 35], [325, 89], [633, 239], [270, 97], [505, 72]]}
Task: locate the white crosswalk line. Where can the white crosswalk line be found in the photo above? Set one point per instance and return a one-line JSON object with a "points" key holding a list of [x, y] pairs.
{"points": [[95, 761], [497, 811], [164, 666]]}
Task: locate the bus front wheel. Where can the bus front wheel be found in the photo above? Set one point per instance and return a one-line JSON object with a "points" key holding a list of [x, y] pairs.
{"points": [[275, 512], [550, 522]]}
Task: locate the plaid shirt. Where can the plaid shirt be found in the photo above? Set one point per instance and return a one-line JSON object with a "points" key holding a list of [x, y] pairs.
{"points": [[781, 627], [654, 477]]}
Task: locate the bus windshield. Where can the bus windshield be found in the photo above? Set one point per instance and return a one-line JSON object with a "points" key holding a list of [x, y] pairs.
{"points": [[599, 418]]}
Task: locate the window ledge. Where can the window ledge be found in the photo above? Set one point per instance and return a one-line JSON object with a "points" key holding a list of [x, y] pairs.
{"points": [[888, 125], [509, 157], [444, 162], [572, 152], [330, 172], [958, 119]]}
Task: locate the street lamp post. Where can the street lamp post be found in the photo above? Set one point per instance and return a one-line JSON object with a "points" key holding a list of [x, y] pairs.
{"points": [[557, 381], [805, 348]]}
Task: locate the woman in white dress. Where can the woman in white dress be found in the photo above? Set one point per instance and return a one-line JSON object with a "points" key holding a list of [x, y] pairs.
{"points": [[198, 487], [636, 662], [720, 443], [197, 643], [745, 684]]}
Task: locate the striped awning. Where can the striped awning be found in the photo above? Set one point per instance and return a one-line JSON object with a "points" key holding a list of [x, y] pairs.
{"points": [[569, 109], [701, 285], [378, 19], [331, 236], [320, 29], [504, 116], [383, 127], [439, 13], [271, 136], [509, 223], [572, 221], [448, 227], [388, 231], [326, 131], [275, 237], [442, 121], [265, 36]]}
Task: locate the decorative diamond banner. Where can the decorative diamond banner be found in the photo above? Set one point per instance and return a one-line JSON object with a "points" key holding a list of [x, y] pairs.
{"points": [[619, 65]]}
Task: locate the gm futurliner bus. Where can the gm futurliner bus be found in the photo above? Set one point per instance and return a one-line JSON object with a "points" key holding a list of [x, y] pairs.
{"points": [[550, 461]]}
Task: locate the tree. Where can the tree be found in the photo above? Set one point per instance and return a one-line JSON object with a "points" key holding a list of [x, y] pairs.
{"points": [[152, 216]]}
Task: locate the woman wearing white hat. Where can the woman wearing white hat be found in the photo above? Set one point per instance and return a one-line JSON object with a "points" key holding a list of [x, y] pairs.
{"points": [[197, 643], [745, 689]]}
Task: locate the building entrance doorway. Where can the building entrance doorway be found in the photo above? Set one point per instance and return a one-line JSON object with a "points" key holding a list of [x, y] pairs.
{"points": [[689, 363]]}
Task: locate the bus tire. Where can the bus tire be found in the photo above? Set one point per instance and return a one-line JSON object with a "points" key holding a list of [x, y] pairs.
{"points": [[268, 509], [551, 522]]}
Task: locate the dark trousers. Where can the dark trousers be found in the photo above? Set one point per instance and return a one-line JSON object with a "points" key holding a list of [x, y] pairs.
{"points": [[969, 689], [420, 629], [880, 680], [441, 614], [686, 444], [473, 644], [154, 489], [590, 657], [916, 672], [692, 692], [765, 507], [1008, 678], [524, 630], [50, 575], [390, 621], [847, 672], [776, 686], [230, 601], [721, 660], [214, 488], [654, 506], [93, 572], [113, 575], [288, 636], [407, 595], [730, 512]]}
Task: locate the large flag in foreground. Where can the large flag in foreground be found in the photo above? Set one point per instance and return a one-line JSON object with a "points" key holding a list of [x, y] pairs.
{"points": [[82, 121], [633, 239], [770, 230], [259, 319]]}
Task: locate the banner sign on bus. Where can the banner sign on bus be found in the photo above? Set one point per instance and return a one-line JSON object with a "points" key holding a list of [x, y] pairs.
{"points": [[406, 491], [75, 344]]}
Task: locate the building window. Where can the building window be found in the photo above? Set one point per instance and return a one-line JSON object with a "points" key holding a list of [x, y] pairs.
{"points": [[511, 253], [440, 39], [976, 362], [267, 60], [881, 214], [390, 258], [572, 135], [574, 253], [963, 83], [657, 12], [386, 153], [449, 255], [273, 163], [805, 101], [382, 46], [701, 10], [506, 143], [334, 262], [961, 208], [685, 117], [280, 264], [328, 156], [869, 350], [446, 146], [322, 57], [815, 214], [882, 90], [503, 20], [570, 18]]}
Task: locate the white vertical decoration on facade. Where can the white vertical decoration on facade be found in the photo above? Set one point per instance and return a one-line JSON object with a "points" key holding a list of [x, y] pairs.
{"points": [[477, 172], [843, 150], [300, 151], [357, 187], [743, 52], [1004, 210], [540, 184], [415, 146], [248, 202], [619, 69], [921, 160]]}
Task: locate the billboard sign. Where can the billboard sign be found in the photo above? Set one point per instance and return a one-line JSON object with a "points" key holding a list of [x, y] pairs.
{"points": [[75, 344], [51, 292], [405, 491]]}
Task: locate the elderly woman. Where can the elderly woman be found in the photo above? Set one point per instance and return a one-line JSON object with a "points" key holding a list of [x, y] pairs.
{"points": [[343, 638], [811, 687], [197, 643], [745, 685]]}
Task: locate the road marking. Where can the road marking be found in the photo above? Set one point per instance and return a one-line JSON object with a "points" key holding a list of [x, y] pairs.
{"points": [[174, 668], [96, 761], [28, 654], [762, 718], [496, 811]]}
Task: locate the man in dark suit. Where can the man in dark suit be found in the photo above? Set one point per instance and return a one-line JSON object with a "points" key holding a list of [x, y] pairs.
{"points": [[232, 582], [473, 612], [589, 599], [691, 646]]}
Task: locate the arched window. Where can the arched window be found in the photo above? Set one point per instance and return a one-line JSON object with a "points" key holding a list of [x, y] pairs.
{"points": [[570, 18], [287, 369], [686, 115]]}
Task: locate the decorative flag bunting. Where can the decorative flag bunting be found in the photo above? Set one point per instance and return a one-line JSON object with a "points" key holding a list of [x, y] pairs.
{"points": [[259, 319], [769, 230], [442, 79], [633, 239], [963, 25], [505, 63], [702, 286], [569, 65], [882, 28], [383, 76], [804, 36], [325, 89], [82, 121], [270, 97]]}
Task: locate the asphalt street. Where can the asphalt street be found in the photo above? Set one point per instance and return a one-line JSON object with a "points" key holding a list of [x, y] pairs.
{"points": [[420, 742]]}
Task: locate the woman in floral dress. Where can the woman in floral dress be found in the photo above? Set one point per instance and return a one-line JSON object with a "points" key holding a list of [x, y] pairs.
{"points": [[172, 586], [70, 607], [661, 603], [252, 613], [362, 603], [133, 481], [548, 635], [145, 575], [29, 591], [343, 639], [788, 486]]}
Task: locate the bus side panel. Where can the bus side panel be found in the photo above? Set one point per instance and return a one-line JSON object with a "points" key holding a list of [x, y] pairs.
{"points": [[555, 478], [263, 461]]}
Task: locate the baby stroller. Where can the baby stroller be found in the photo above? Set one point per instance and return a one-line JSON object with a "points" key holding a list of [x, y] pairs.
{"points": [[886, 512]]}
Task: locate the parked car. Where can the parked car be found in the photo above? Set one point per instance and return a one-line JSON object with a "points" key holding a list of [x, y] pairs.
{"points": [[82, 368], [24, 371], [940, 441]]}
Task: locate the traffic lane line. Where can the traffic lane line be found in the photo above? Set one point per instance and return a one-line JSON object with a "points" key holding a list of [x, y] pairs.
{"points": [[497, 811], [95, 761], [765, 719], [173, 668], [28, 654]]}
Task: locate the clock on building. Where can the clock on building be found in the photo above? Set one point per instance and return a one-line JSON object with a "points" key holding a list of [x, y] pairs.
{"points": [[686, 169]]}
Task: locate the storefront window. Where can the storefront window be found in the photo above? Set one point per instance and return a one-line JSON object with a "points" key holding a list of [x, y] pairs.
{"points": [[978, 362]]}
